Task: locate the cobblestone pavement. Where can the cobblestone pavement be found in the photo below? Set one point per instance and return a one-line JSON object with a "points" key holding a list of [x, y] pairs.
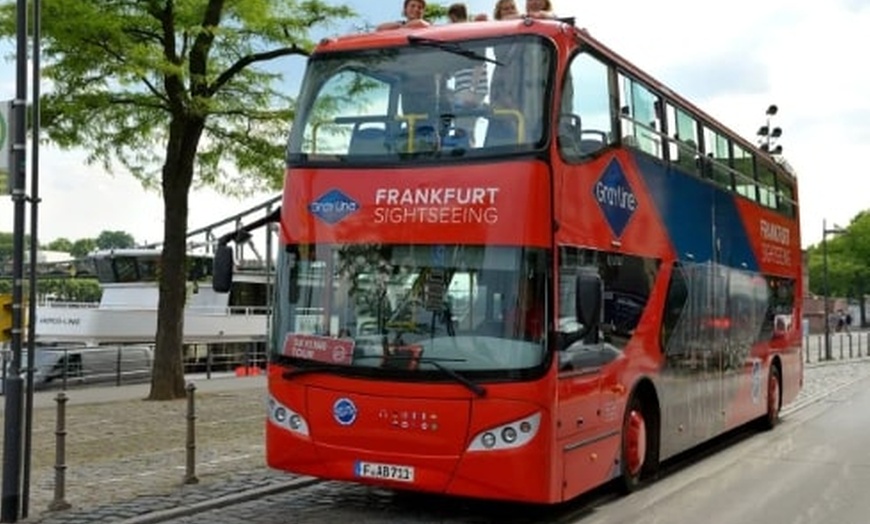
{"points": [[126, 458]]}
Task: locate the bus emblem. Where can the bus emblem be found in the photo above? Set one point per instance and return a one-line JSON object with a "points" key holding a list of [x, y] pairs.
{"points": [[344, 411], [615, 197], [333, 207]]}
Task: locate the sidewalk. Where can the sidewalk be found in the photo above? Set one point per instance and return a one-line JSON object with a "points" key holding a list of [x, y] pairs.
{"points": [[126, 457], [120, 447]]}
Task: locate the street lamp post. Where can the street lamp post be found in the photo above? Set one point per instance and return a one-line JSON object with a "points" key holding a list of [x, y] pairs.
{"points": [[825, 232], [767, 136]]}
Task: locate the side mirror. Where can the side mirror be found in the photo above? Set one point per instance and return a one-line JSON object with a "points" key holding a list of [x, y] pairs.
{"points": [[588, 298], [222, 274]]}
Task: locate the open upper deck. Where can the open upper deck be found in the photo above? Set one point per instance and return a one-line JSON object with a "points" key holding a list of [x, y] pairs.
{"points": [[564, 36]]}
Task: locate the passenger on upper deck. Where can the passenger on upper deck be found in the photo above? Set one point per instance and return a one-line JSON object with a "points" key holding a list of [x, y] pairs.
{"points": [[413, 11], [505, 10], [539, 9], [470, 85]]}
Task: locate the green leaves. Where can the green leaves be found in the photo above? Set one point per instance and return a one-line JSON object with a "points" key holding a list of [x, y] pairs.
{"points": [[848, 260], [117, 73]]}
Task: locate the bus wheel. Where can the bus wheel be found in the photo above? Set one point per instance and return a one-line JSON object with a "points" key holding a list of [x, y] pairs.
{"points": [[634, 445], [774, 389]]}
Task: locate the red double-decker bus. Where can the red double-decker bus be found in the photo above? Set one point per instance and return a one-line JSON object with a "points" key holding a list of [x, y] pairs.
{"points": [[525, 293]]}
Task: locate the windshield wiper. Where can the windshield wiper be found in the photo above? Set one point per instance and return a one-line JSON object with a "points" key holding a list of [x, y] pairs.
{"points": [[472, 386], [451, 47]]}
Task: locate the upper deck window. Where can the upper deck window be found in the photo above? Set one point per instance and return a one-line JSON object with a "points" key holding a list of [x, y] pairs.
{"points": [[641, 116], [427, 100], [585, 125]]}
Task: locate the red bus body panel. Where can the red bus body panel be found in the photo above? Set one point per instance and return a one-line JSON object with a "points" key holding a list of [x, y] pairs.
{"points": [[661, 214], [505, 204]]}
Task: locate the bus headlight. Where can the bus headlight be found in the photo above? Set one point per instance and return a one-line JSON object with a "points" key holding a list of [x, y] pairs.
{"points": [[286, 418], [507, 436]]}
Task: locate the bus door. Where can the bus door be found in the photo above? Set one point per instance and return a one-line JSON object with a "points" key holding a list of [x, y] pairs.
{"points": [[586, 410]]}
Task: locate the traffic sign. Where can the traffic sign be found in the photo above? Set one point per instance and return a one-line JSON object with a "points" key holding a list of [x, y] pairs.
{"points": [[5, 146]]}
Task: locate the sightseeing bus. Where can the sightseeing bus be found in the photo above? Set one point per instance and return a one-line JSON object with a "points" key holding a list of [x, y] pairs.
{"points": [[523, 297]]}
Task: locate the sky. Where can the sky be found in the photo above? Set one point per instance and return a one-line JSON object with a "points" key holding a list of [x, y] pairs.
{"points": [[731, 59]]}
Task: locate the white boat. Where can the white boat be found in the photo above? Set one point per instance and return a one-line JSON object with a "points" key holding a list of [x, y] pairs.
{"points": [[127, 311]]}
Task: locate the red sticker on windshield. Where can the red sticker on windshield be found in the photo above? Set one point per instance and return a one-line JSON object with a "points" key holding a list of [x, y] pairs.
{"points": [[319, 348]]}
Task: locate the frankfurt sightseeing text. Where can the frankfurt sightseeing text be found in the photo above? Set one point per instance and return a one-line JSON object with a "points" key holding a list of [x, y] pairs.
{"points": [[440, 205]]}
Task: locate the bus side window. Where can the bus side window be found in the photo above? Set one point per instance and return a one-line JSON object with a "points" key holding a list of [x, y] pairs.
{"points": [[683, 148], [584, 125], [641, 117], [674, 304]]}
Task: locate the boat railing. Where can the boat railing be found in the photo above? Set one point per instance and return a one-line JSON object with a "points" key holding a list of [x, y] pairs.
{"points": [[60, 304], [199, 309]]}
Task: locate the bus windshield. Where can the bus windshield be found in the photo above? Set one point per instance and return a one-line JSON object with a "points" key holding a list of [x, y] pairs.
{"points": [[430, 99], [416, 308]]}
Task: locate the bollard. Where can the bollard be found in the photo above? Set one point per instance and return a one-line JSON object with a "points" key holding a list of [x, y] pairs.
{"points": [[118, 368], [819, 351], [859, 345], [850, 345], [841, 346], [59, 504], [190, 468]]}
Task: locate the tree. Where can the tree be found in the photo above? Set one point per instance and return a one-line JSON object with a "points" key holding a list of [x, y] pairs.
{"points": [[82, 247], [848, 263], [185, 77], [6, 250], [60, 244], [435, 12], [115, 240]]}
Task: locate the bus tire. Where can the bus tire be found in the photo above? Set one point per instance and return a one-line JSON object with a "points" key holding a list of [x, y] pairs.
{"points": [[774, 399], [638, 460]]}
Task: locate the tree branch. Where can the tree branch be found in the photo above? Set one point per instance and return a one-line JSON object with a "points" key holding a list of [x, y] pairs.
{"points": [[108, 50], [171, 82], [201, 46], [245, 61]]}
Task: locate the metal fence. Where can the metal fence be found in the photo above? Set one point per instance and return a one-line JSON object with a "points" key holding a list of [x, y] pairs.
{"points": [[843, 345], [67, 367], [63, 368]]}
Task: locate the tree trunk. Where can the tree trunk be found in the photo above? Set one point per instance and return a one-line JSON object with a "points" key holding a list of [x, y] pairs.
{"points": [[167, 380]]}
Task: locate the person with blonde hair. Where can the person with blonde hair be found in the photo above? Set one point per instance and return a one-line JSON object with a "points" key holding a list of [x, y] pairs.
{"points": [[540, 9], [505, 10]]}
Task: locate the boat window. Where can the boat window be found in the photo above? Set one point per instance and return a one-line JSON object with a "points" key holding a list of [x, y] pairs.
{"points": [[125, 269]]}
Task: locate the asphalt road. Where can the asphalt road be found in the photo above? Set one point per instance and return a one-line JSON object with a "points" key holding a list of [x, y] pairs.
{"points": [[812, 469]]}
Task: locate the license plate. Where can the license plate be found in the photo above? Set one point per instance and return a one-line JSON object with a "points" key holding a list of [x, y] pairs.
{"points": [[372, 470]]}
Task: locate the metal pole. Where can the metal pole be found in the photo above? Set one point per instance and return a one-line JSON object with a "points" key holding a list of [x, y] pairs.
{"points": [[190, 467], [59, 503], [828, 355], [34, 246], [11, 493]]}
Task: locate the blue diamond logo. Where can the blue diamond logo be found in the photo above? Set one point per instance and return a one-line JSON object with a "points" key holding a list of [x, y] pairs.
{"points": [[615, 197], [333, 207]]}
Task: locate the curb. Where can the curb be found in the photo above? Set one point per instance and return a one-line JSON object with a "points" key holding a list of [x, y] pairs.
{"points": [[220, 502], [797, 406]]}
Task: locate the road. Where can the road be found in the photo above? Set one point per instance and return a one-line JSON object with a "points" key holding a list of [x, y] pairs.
{"points": [[814, 468], [126, 458]]}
